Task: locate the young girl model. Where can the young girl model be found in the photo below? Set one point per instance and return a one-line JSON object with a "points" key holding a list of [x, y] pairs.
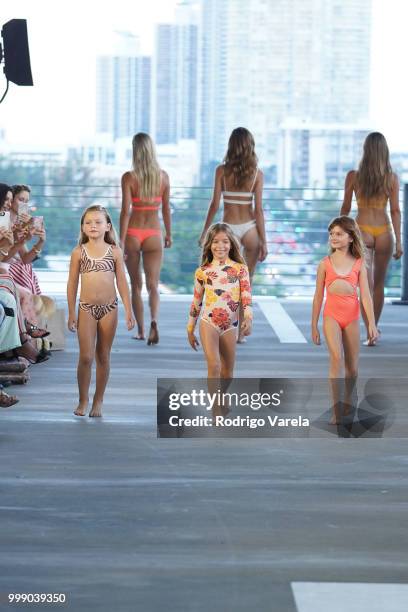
{"points": [[341, 273], [224, 279], [97, 260], [374, 184], [240, 182], [145, 190]]}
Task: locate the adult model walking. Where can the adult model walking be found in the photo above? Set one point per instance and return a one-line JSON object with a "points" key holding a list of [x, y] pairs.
{"points": [[375, 184], [240, 182], [145, 190]]}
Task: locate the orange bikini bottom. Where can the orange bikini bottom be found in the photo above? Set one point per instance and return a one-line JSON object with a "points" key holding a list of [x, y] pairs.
{"points": [[141, 233], [375, 230]]}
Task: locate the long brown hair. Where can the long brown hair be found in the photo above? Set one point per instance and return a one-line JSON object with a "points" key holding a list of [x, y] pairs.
{"points": [[374, 175], [4, 190], [16, 189], [145, 166], [347, 224], [240, 160], [110, 235], [234, 252]]}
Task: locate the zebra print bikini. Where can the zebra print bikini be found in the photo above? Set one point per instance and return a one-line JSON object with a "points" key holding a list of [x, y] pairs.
{"points": [[102, 264]]}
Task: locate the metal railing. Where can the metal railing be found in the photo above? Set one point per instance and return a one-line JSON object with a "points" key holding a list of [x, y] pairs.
{"points": [[296, 228]]}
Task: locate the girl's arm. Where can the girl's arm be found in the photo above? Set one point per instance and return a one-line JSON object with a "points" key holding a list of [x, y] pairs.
{"points": [[123, 288], [367, 302], [166, 211], [215, 202], [72, 288], [246, 300], [317, 302], [125, 210], [396, 217], [195, 308], [348, 192], [259, 216]]}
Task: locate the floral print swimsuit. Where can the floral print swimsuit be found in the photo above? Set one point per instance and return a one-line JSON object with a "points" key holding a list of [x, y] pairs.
{"points": [[226, 286]]}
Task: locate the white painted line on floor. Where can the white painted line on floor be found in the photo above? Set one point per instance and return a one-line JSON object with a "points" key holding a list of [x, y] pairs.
{"points": [[350, 596], [281, 323]]}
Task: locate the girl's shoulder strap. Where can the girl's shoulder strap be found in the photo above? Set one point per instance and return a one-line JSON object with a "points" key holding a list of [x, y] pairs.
{"points": [[358, 263]]}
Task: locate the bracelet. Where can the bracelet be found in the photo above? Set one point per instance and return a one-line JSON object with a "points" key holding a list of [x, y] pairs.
{"points": [[5, 253], [37, 251]]}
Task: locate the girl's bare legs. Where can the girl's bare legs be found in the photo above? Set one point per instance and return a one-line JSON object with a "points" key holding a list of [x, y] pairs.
{"points": [[250, 243], [86, 338], [219, 351], [333, 335], [351, 345], [228, 345], [105, 334], [133, 255], [384, 245], [152, 260], [210, 341]]}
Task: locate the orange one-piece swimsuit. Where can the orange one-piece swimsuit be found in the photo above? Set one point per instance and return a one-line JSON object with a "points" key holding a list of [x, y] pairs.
{"points": [[343, 308]]}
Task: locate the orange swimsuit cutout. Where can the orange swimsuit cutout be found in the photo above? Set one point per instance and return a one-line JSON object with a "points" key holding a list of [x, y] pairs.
{"points": [[342, 308], [141, 233]]}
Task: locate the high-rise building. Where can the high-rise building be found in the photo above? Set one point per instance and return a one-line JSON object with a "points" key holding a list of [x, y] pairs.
{"points": [[265, 61], [123, 89], [165, 84], [175, 76], [318, 154], [187, 13]]}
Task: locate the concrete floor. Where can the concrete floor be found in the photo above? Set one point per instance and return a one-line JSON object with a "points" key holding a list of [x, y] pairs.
{"points": [[119, 520]]}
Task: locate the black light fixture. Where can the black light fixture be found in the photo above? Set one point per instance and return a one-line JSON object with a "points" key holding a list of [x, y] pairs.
{"points": [[15, 53]]}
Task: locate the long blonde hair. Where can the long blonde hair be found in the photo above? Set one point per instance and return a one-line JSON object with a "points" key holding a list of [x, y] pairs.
{"points": [[110, 235], [374, 175], [234, 252], [240, 160], [347, 224], [146, 166]]}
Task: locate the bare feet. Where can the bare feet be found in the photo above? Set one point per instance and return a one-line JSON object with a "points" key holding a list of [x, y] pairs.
{"points": [[336, 414], [96, 410], [81, 409], [153, 334], [334, 420], [140, 334]]}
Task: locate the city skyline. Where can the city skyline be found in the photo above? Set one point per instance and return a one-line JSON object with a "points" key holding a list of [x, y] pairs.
{"points": [[302, 92], [56, 109]]}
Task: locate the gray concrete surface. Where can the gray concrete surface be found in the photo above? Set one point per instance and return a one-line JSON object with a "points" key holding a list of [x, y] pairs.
{"points": [[121, 521]]}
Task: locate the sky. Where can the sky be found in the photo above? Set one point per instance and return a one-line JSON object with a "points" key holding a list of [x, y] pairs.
{"points": [[66, 37]]}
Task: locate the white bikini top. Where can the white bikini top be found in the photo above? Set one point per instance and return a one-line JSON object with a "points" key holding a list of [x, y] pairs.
{"points": [[248, 195]]}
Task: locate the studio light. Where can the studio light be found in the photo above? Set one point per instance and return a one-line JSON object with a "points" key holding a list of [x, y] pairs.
{"points": [[15, 54]]}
